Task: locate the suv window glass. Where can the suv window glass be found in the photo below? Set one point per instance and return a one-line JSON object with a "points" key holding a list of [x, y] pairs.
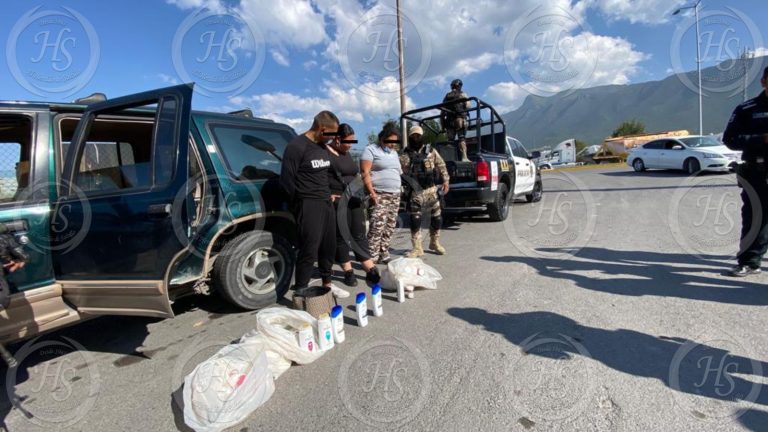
{"points": [[518, 150], [15, 156], [248, 151], [116, 155]]}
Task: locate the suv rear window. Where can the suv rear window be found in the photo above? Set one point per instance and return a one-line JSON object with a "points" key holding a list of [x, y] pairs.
{"points": [[251, 153]]}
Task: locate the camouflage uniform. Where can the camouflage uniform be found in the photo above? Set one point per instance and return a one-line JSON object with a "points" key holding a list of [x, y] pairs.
{"points": [[456, 124], [420, 166], [383, 224]]}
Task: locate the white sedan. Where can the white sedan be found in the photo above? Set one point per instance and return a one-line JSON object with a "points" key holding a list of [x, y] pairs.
{"points": [[690, 153]]}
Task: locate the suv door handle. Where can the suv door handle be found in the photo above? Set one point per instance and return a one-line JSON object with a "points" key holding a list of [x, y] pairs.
{"points": [[517, 163], [159, 210]]}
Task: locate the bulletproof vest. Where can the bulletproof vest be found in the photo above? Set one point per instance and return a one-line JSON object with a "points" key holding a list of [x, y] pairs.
{"points": [[422, 168], [455, 95]]}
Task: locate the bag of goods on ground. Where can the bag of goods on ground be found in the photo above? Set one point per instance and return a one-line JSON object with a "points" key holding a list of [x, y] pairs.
{"points": [[411, 272], [280, 326]]}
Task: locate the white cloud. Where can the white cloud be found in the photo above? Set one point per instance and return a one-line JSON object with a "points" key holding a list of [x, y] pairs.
{"points": [[310, 64], [167, 79], [280, 57], [196, 4], [638, 11], [506, 96], [761, 52], [350, 104], [290, 23]]}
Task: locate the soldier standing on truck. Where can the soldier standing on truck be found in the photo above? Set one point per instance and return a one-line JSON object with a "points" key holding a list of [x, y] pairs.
{"points": [[420, 163], [455, 121], [747, 131]]}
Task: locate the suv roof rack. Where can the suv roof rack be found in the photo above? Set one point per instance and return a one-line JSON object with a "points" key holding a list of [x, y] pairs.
{"points": [[92, 98], [242, 113]]}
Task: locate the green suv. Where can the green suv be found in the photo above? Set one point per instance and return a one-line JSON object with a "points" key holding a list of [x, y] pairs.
{"points": [[127, 204]]}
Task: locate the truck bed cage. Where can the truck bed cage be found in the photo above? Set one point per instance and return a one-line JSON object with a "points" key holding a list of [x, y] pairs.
{"points": [[479, 115]]}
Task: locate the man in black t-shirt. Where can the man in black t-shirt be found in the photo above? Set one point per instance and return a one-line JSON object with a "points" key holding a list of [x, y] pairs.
{"points": [[304, 176]]}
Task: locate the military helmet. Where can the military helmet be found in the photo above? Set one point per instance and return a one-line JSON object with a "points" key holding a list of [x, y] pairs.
{"points": [[456, 84]]}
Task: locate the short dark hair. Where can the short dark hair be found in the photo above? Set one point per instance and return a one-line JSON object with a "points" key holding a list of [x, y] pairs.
{"points": [[765, 73], [325, 119], [345, 130], [390, 128]]}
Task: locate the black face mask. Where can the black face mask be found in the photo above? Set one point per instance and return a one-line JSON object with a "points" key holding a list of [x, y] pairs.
{"points": [[416, 142]]}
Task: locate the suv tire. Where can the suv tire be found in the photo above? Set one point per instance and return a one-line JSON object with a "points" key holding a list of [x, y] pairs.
{"points": [[499, 209], [254, 269], [536, 193]]}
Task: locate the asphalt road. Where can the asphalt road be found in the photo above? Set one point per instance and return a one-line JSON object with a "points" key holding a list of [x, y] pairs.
{"points": [[602, 308]]}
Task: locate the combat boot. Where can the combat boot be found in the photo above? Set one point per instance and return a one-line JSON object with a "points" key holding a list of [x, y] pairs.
{"points": [[463, 151], [434, 244], [417, 250]]}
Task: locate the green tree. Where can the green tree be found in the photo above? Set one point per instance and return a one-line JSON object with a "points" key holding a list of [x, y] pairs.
{"points": [[631, 127]]}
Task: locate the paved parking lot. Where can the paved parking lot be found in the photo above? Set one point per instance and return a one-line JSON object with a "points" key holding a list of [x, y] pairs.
{"points": [[601, 308]]}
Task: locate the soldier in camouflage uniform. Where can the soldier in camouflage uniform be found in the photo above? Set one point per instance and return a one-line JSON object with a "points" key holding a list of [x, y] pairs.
{"points": [[419, 163], [455, 122]]}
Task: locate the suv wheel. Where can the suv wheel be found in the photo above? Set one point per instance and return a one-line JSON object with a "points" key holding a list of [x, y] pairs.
{"points": [[254, 269], [638, 165], [499, 209], [692, 166], [536, 193]]}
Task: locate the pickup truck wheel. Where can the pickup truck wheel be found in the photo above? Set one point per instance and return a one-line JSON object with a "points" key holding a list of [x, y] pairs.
{"points": [[254, 269], [536, 194], [499, 209]]}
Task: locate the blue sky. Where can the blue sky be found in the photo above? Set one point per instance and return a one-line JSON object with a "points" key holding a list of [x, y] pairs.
{"points": [[288, 59]]}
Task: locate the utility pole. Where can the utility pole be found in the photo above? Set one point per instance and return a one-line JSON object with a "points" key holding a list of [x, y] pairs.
{"points": [[746, 56], [401, 54]]}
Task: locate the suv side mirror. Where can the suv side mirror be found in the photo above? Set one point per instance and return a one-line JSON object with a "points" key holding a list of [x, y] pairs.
{"points": [[535, 154]]}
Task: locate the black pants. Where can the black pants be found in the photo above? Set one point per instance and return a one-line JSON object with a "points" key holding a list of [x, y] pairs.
{"points": [[754, 233], [350, 231], [317, 239]]}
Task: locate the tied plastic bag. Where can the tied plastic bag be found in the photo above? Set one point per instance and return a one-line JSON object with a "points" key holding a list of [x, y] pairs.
{"points": [[277, 363], [279, 325], [411, 272], [225, 389]]}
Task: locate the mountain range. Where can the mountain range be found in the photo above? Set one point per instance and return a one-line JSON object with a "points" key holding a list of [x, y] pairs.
{"points": [[592, 114]]}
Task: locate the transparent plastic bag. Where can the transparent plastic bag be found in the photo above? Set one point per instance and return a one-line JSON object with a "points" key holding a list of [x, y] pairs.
{"points": [[412, 272], [225, 389], [279, 325], [277, 363]]}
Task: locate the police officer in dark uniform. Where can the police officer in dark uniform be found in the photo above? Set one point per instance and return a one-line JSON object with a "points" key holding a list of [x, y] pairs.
{"points": [[747, 131]]}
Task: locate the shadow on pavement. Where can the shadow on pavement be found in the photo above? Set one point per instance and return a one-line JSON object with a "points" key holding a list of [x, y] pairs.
{"points": [[640, 273], [754, 420], [699, 369]]}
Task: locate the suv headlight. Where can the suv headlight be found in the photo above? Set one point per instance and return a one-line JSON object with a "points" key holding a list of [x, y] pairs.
{"points": [[712, 155]]}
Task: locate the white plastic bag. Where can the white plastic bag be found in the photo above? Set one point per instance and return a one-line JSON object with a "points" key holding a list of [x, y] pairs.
{"points": [[412, 272], [279, 325], [277, 363], [225, 389]]}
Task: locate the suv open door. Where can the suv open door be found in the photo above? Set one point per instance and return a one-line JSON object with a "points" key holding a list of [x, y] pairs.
{"points": [[118, 188]]}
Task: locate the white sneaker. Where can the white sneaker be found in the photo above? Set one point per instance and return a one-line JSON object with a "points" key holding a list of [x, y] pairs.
{"points": [[339, 292]]}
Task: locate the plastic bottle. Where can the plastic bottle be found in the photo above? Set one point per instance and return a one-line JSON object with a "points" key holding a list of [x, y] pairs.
{"points": [[361, 306], [306, 337], [378, 310], [400, 292], [337, 323], [324, 332]]}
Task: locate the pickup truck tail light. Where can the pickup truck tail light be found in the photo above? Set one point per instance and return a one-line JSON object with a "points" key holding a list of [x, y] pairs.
{"points": [[483, 172]]}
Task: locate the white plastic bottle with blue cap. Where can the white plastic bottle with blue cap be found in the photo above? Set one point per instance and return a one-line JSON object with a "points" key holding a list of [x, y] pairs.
{"points": [[378, 310], [337, 321], [324, 332], [361, 306]]}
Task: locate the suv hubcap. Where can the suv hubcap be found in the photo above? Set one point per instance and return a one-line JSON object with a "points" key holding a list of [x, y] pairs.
{"points": [[262, 270]]}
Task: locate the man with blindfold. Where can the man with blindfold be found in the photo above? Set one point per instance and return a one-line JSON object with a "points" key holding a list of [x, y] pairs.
{"points": [[304, 176]]}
